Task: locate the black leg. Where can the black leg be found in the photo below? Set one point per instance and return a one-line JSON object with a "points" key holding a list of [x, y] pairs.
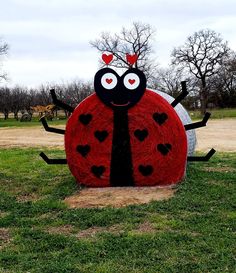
{"points": [[199, 123], [51, 129], [182, 95], [60, 103], [52, 161], [202, 158]]}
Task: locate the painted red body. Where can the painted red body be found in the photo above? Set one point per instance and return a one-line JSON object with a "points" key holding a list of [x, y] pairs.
{"points": [[164, 148]]}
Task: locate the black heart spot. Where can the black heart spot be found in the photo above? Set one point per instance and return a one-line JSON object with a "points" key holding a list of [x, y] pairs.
{"points": [[160, 118], [164, 148], [101, 135], [145, 170], [85, 118], [98, 170], [141, 134], [83, 149]]}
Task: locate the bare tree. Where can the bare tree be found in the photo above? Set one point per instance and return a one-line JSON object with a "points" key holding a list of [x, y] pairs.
{"points": [[223, 91], [136, 40], [5, 101], [78, 90], [20, 99], [202, 54], [17, 96], [3, 51], [168, 80]]}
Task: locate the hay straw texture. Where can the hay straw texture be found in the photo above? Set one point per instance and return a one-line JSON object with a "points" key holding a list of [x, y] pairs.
{"points": [[158, 159], [185, 118]]}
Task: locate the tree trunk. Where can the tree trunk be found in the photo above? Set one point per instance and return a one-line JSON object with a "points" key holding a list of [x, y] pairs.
{"points": [[6, 113], [16, 115], [203, 101], [67, 113], [203, 96]]}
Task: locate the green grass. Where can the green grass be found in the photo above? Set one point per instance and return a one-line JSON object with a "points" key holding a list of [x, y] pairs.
{"points": [[195, 231], [35, 122], [215, 113]]}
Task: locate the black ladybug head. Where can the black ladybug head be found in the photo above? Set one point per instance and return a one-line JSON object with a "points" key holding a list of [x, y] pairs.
{"points": [[120, 92]]}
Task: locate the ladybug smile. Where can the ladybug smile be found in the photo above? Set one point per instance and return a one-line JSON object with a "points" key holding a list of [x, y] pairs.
{"points": [[116, 104]]}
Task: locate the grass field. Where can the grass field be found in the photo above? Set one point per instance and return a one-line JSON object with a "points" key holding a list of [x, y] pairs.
{"points": [[215, 114], [195, 231], [35, 122]]}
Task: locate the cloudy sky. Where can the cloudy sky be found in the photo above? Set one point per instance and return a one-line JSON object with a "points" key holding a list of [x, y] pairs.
{"points": [[49, 39]]}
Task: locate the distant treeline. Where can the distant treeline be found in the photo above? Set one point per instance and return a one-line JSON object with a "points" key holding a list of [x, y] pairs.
{"points": [[20, 99], [221, 92]]}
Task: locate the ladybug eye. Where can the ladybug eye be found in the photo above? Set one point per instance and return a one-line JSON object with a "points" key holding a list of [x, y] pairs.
{"points": [[131, 81], [109, 81]]}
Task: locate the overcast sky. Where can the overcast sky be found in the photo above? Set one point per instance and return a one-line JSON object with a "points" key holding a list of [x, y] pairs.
{"points": [[49, 39]]}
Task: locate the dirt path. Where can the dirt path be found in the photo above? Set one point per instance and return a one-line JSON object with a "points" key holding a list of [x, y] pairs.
{"points": [[220, 134], [30, 137]]}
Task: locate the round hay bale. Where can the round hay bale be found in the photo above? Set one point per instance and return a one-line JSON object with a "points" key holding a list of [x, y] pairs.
{"points": [[157, 138], [185, 118]]}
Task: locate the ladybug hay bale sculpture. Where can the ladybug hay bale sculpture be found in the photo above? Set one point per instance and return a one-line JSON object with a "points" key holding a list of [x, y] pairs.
{"points": [[125, 134], [185, 118]]}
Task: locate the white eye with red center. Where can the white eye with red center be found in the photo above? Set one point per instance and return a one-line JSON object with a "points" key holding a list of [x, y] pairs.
{"points": [[131, 81], [109, 81]]}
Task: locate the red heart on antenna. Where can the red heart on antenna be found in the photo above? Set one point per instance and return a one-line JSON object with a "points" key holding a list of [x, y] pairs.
{"points": [[107, 58], [131, 58]]}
